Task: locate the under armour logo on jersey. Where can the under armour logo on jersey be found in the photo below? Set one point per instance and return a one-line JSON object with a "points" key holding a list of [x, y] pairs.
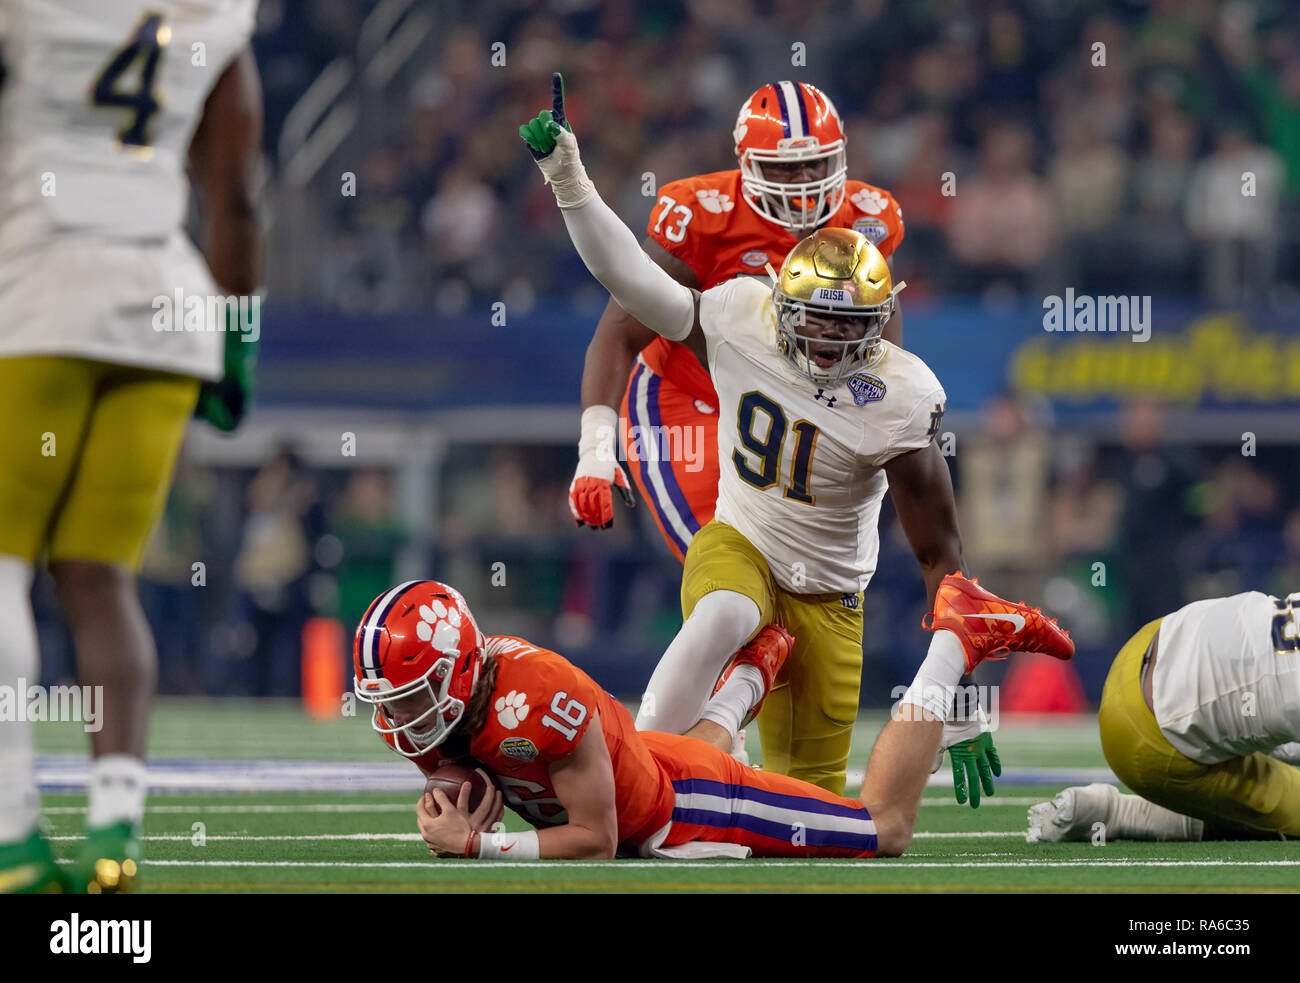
{"points": [[830, 400]]}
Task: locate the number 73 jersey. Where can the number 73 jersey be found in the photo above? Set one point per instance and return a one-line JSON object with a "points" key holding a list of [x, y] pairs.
{"points": [[801, 465]]}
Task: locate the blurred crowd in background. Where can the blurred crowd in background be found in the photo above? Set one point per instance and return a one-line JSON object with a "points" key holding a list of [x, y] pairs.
{"points": [[1122, 177], [1105, 534], [1097, 145]]}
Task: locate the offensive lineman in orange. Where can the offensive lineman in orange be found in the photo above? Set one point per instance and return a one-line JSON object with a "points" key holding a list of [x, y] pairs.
{"points": [[703, 230], [566, 757]]}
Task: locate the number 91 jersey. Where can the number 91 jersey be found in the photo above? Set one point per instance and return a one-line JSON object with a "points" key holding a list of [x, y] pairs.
{"points": [[801, 466]]}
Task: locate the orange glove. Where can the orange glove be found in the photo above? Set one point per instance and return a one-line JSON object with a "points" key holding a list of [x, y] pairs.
{"points": [[591, 496]]}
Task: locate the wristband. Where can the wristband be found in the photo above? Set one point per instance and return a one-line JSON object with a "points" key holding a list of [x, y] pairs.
{"points": [[469, 845], [509, 846], [562, 168], [599, 430]]}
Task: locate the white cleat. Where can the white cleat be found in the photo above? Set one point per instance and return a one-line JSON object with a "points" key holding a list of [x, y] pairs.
{"points": [[738, 750], [1073, 814]]}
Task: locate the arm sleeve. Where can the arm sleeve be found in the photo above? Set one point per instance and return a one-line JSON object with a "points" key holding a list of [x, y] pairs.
{"points": [[616, 259]]}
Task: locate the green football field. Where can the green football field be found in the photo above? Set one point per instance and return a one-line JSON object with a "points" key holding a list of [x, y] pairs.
{"points": [[258, 797]]}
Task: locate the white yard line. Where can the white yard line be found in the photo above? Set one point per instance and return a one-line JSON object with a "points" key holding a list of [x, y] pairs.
{"points": [[285, 807], [465, 865], [415, 837], [990, 800], [344, 807]]}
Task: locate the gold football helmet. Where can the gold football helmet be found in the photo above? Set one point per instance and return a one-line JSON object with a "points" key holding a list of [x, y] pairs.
{"points": [[838, 276]]}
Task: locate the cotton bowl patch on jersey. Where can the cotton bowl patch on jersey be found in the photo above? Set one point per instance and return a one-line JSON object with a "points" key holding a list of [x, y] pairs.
{"points": [[866, 389], [519, 747], [873, 228], [755, 257]]}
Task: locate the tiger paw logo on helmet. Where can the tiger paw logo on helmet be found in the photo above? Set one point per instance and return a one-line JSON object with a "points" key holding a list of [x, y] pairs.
{"points": [[438, 625], [711, 200], [511, 708], [871, 202]]}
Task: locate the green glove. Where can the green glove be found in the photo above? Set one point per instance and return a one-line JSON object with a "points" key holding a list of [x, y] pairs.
{"points": [[225, 403], [974, 763], [539, 132]]}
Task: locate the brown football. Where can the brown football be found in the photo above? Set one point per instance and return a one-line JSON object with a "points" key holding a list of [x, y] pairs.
{"points": [[450, 777]]}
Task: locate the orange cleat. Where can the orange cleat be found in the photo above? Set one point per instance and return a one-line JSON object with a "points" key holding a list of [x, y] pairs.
{"points": [[766, 652], [990, 627]]}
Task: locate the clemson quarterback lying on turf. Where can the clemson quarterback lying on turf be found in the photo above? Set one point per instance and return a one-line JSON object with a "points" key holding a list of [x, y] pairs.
{"points": [[567, 759]]}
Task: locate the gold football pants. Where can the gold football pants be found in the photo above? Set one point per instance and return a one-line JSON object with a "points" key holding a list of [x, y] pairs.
{"points": [[806, 724], [88, 450], [1255, 791]]}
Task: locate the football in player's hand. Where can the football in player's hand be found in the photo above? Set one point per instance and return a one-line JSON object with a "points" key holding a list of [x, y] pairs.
{"points": [[450, 777]]}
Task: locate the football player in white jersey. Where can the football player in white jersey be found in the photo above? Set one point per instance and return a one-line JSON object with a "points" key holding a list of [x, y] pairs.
{"points": [[1200, 716], [109, 332], [816, 409]]}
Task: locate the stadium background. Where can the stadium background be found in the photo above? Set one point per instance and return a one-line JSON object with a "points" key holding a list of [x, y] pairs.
{"points": [[1070, 450]]}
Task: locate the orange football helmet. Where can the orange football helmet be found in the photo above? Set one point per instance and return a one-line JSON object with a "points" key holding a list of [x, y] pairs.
{"points": [[418, 638], [788, 123]]}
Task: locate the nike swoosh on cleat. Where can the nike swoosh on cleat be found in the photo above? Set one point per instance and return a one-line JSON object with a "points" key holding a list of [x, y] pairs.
{"points": [[1016, 619]]}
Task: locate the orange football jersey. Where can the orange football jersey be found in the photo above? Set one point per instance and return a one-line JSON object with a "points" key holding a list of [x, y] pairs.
{"points": [[541, 708], [705, 222]]}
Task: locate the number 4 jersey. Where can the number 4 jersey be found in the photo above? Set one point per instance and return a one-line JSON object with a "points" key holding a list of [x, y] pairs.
{"points": [[801, 465], [100, 101]]}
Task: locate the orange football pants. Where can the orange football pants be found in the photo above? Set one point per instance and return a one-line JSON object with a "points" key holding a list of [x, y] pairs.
{"points": [[719, 800], [671, 441]]}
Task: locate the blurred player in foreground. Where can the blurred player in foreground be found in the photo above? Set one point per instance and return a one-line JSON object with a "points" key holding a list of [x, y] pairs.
{"points": [[104, 102], [566, 756], [1200, 716], [816, 409], [704, 230]]}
